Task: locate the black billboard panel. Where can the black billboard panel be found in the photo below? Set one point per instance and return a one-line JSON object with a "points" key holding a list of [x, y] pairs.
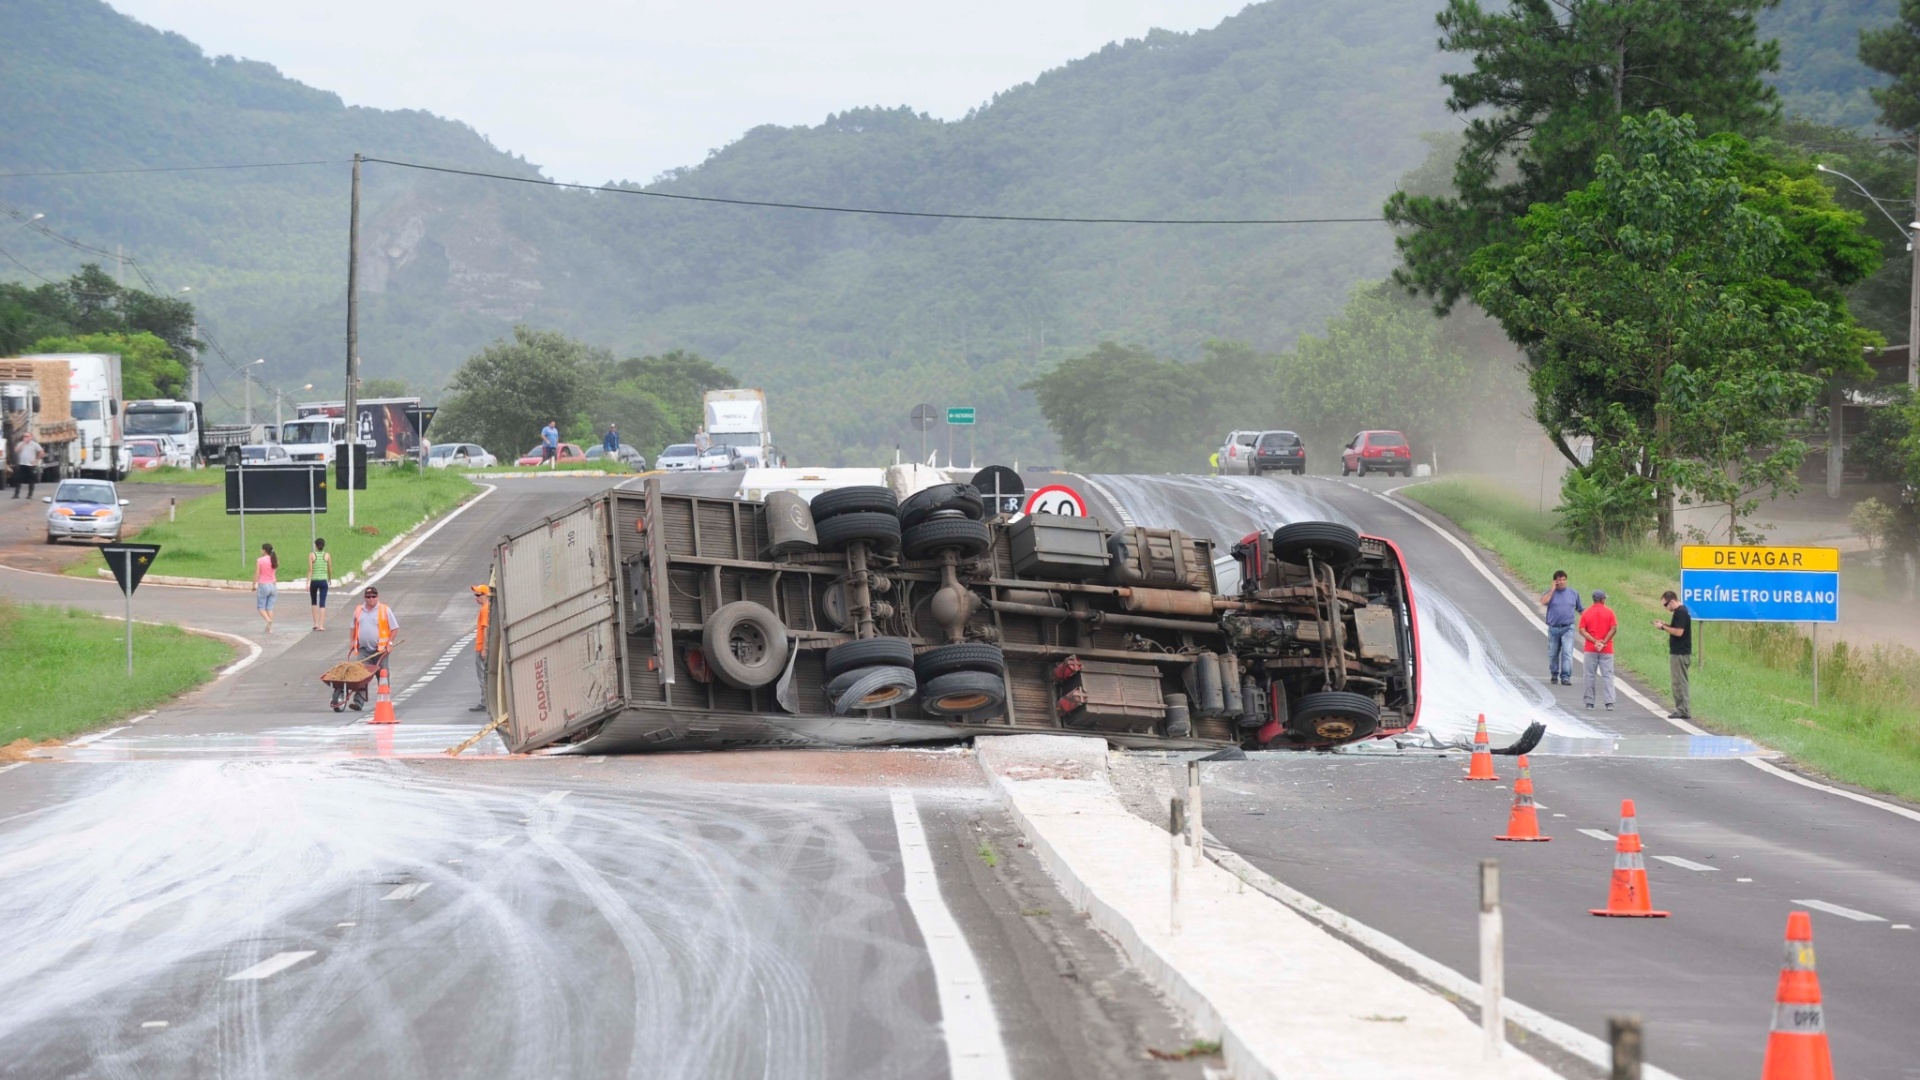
{"points": [[278, 489]]}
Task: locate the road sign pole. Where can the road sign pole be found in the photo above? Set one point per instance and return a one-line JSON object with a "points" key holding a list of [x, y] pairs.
{"points": [[129, 593], [949, 446], [242, 469], [1816, 665]]}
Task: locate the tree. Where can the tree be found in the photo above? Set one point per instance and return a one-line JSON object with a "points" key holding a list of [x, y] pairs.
{"points": [[1120, 408], [383, 388], [657, 400], [1549, 83], [148, 367], [503, 395], [1656, 324], [91, 302], [1382, 362], [1895, 51]]}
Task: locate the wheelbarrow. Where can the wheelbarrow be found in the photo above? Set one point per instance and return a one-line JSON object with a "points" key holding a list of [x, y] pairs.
{"points": [[349, 677]]}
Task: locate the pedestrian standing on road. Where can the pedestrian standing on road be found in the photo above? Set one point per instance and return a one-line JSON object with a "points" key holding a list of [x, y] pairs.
{"points": [[319, 575], [483, 595], [1679, 629], [550, 444], [266, 584], [1597, 627], [1563, 610], [611, 444], [702, 442], [370, 639], [27, 456]]}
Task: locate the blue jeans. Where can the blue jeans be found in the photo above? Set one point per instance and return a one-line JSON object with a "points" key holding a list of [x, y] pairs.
{"points": [[1559, 653]]}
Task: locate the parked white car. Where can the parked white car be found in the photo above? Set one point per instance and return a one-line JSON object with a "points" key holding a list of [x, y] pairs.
{"points": [[1236, 453], [84, 509], [680, 457], [460, 455]]}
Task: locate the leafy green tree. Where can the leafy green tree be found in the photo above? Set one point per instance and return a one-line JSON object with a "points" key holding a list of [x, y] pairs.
{"points": [[1382, 362], [1895, 51], [656, 400], [1656, 321], [1120, 408], [148, 366], [91, 302], [384, 388], [1550, 79], [504, 394]]}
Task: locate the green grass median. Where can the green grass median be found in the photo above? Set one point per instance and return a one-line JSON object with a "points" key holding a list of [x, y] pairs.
{"points": [[204, 541], [172, 474], [1751, 679], [66, 669]]}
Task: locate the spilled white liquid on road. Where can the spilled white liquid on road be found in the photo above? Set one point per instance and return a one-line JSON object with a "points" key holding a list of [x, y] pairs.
{"points": [[709, 931], [1466, 674]]}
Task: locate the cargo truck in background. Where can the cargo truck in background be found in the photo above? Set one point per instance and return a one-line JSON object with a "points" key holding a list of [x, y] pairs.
{"points": [[33, 397], [93, 397], [738, 418], [391, 428], [312, 438], [176, 425], [655, 620]]}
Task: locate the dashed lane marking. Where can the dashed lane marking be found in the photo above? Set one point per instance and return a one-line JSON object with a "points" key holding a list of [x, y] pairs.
{"points": [[1685, 864], [271, 966], [96, 736], [972, 1032], [1836, 909], [439, 667], [1597, 834], [153, 1023], [409, 892]]}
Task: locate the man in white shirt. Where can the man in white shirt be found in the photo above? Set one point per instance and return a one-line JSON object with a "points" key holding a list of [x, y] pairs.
{"points": [[27, 457]]}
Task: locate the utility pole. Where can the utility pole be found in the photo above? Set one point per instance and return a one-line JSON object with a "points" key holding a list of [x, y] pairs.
{"points": [[352, 425], [1913, 290], [196, 362]]}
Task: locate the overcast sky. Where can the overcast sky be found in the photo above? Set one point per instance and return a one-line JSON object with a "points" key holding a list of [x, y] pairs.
{"points": [[598, 90]]}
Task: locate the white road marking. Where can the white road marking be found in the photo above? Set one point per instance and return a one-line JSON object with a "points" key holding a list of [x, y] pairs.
{"points": [[408, 892], [96, 736], [435, 671], [1900, 926], [142, 716], [1685, 864], [1559, 815], [344, 925], [485, 490], [972, 1032], [1596, 834], [10, 768], [1836, 909], [552, 798], [153, 1023], [271, 966], [1743, 880], [1527, 609]]}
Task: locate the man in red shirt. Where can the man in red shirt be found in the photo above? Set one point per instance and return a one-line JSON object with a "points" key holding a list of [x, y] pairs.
{"points": [[1597, 627]]}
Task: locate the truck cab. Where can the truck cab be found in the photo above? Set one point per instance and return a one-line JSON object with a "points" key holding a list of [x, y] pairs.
{"points": [[176, 425]]}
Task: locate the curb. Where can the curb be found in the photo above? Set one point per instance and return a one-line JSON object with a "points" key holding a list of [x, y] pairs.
{"points": [[536, 474]]}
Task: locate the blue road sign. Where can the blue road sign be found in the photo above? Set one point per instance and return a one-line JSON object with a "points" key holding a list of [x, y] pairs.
{"points": [[1761, 595]]}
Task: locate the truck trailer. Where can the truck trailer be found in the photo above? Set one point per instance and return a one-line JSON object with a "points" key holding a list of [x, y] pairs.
{"points": [[654, 620], [33, 397], [93, 399]]}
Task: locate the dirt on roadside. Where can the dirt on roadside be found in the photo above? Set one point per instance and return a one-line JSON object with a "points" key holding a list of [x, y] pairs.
{"points": [[23, 525]]}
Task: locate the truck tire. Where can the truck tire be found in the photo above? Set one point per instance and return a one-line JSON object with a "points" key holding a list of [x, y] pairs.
{"points": [[880, 530], [964, 693], [1335, 715], [867, 652], [860, 499], [967, 656], [925, 503], [745, 644], [1329, 541], [871, 688], [965, 535]]}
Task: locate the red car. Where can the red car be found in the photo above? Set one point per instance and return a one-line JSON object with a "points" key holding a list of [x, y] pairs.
{"points": [[146, 454], [568, 452], [1377, 451]]}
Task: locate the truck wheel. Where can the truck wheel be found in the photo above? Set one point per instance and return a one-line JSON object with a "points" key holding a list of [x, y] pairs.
{"points": [[1335, 715], [880, 530], [1329, 542], [964, 693], [860, 499], [868, 652], [966, 535], [745, 644], [871, 688], [967, 656], [923, 504]]}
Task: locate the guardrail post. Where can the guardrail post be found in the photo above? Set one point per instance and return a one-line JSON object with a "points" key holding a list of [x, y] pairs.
{"points": [[1493, 977], [1176, 824], [1194, 833]]}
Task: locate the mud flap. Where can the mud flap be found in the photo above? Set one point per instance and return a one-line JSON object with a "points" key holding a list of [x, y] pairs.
{"points": [[1528, 739], [783, 690]]}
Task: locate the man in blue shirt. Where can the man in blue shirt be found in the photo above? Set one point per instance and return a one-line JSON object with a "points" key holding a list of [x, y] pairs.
{"points": [[1563, 610], [550, 444], [611, 444]]}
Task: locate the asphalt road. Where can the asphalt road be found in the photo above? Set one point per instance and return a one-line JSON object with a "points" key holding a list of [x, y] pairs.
{"points": [[248, 885], [1395, 841]]}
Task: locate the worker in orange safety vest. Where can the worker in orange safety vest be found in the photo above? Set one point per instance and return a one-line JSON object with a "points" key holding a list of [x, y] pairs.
{"points": [[483, 596], [371, 638]]}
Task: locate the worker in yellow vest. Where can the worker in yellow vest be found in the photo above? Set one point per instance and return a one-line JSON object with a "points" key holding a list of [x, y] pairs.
{"points": [[483, 596], [371, 638]]}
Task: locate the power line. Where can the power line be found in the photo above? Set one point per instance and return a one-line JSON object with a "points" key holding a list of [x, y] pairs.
{"points": [[870, 210], [169, 169]]}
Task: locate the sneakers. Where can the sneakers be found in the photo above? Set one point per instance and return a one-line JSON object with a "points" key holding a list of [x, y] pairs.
{"points": [[1609, 706], [1680, 716]]}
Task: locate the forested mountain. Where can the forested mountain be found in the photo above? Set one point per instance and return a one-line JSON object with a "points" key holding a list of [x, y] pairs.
{"points": [[1293, 108]]}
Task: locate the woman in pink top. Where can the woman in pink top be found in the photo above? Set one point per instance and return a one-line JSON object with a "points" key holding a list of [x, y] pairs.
{"points": [[265, 583]]}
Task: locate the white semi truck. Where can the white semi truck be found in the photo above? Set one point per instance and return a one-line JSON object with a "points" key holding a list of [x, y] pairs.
{"points": [[93, 396], [738, 418]]}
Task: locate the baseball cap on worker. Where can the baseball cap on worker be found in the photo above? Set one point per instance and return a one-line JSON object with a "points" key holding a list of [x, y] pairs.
{"points": [[1599, 594], [371, 591], [482, 590]]}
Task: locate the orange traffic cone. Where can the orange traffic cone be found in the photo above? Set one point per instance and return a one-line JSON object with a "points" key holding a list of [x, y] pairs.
{"points": [[1481, 767], [1628, 896], [1797, 1048], [1523, 822], [383, 701]]}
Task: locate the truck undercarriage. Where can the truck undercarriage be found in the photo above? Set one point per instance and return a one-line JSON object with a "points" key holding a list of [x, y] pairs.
{"points": [[641, 621]]}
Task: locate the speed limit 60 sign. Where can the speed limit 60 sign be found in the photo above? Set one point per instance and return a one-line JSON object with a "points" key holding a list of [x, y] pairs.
{"points": [[1057, 499]]}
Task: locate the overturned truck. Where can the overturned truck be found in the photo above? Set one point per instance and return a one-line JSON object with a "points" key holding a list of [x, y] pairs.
{"points": [[641, 621]]}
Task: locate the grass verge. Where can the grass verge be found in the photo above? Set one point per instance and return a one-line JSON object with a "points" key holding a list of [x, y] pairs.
{"points": [[204, 542], [1752, 679], [66, 670], [170, 474]]}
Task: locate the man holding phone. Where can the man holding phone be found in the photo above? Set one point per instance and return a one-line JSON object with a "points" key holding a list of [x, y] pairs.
{"points": [[1679, 652]]}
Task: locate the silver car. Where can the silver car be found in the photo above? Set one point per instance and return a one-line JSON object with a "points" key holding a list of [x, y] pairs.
{"points": [[680, 457], [460, 455], [89, 509], [1236, 454]]}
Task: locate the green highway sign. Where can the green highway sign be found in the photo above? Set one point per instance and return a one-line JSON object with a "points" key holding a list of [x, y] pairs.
{"points": [[960, 415]]}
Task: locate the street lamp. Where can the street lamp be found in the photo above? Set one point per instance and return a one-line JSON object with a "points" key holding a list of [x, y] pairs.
{"points": [[246, 380], [1909, 230], [24, 222]]}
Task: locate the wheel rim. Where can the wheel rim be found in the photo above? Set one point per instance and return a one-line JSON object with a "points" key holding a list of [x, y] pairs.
{"points": [[748, 644], [1333, 727], [886, 695], [965, 702]]}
